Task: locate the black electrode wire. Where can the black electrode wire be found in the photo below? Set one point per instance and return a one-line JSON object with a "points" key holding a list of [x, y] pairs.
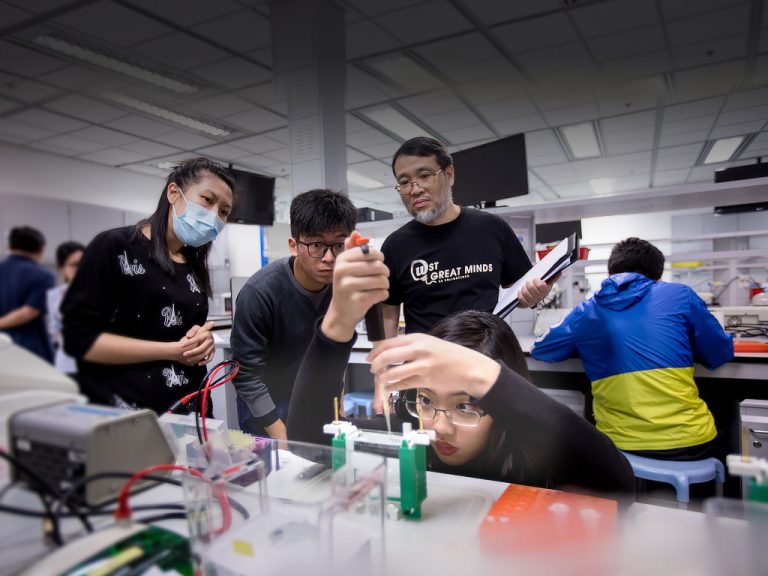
{"points": [[47, 488]]}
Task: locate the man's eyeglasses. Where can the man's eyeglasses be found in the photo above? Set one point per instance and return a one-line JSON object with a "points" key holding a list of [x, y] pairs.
{"points": [[318, 249], [463, 415], [424, 180]]}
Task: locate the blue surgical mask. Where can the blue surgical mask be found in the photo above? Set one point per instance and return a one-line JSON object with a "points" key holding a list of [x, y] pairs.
{"points": [[196, 225]]}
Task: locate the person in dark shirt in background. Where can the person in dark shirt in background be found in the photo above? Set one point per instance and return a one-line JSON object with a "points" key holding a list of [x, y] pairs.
{"points": [[68, 256], [135, 314], [23, 288]]}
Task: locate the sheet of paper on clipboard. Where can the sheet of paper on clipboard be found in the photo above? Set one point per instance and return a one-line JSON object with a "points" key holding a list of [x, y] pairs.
{"points": [[558, 259]]}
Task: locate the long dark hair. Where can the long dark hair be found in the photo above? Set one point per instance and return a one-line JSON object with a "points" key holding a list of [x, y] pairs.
{"points": [[183, 175], [490, 335]]}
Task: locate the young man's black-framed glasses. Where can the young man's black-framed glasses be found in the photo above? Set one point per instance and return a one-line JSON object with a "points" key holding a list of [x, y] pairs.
{"points": [[318, 249]]}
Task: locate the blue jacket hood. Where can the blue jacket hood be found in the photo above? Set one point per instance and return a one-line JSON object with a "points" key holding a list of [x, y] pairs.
{"points": [[621, 291]]}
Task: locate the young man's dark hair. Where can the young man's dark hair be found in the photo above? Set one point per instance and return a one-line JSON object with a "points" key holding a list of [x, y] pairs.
{"points": [[65, 250], [424, 147], [321, 210], [26, 239], [636, 255]]}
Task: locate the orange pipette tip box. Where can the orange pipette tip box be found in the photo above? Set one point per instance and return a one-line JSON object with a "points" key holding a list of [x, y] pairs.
{"points": [[527, 519]]}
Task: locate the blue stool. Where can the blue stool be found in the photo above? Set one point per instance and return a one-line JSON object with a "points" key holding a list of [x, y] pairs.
{"points": [[356, 402], [679, 474]]}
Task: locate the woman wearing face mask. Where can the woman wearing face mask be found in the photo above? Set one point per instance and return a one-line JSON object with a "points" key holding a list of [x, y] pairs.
{"points": [[469, 380], [135, 315]]}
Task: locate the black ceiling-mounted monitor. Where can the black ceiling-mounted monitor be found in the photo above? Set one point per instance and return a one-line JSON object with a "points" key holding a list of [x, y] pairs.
{"points": [[491, 172], [254, 198]]}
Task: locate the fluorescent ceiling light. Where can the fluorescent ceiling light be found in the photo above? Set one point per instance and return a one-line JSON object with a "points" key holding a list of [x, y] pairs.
{"points": [[363, 181], [114, 64], [395, 122], [165, 114], [405, 72], [722, 150], [166, 165], [602, 185], [582, 140]]}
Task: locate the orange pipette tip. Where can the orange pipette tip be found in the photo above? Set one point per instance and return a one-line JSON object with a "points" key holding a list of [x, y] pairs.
{"points": [[358, 239]]}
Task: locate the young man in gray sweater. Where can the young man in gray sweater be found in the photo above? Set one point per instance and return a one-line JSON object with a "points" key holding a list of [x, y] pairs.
{"points": [[277, 308]]}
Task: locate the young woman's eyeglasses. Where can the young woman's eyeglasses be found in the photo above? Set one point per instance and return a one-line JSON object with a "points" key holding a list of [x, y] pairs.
{"points": [[463, 415], [424, 180], [318, 249]]}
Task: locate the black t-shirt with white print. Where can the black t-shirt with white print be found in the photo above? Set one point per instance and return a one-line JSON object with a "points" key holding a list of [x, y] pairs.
{"points": [[120, 290], [436, 271]]}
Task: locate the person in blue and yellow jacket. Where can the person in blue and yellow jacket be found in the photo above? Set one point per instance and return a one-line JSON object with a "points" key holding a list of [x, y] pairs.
{"points": [[638, 338]]}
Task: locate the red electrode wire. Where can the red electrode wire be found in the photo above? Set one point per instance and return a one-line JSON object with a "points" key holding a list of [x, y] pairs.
{"points": [[123, 511], [184, 400], [207, 390]]}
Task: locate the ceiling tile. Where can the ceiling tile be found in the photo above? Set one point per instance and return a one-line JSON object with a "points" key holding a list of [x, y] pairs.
{"points": [[704, 173], [491, 89], [634, 182], [493, 11], [672, 9], [26, 62], [365, 38], [187, 12], [104, 136], [85, 108], [468, 134], [180, 51], [578, 190], [703, 27], [281, 135], [637, 140], [519, 124], [458, 51], [508, 108], [683, 138], [438, 102], [46, 147], [555, 174], [451, 120], [536, 33], [141, 126], [736, 129], [146, 169], [626, 122], [6, 105], [113, 23], [256, 161], [48, 120], [542, 148], [81, 78], [562, 57], [257, 144], [571, 115], [677, 157], [707, 81], [757, 114], [354, 156], [225, 152], [627, 43], [718, 50], [10, 15], [637, 66], [608, 17], [23, 132], [233, 73], [670, 178], [219, 106], [243, 30], [384, 150], [256, 120], [74, 143], [370, 137], [746, 99], [615, 99], [688, 125], [25, 90], [113, 157], [408, 24], [266, 94], [688, 110], [149, 149], [376, 7], [38, 6], [280, 155], [485, 69], [184, 140]]}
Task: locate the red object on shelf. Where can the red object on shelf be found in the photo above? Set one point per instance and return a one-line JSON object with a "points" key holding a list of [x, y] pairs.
{"points": [[583, 252], [741, 346]]}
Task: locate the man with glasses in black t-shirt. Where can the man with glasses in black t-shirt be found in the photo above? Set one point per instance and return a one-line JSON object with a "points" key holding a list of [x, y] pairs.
{"points": [[278, 306]]}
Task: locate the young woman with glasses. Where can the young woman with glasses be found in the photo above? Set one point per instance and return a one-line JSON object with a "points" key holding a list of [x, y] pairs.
{"points": [[469, 380]]}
